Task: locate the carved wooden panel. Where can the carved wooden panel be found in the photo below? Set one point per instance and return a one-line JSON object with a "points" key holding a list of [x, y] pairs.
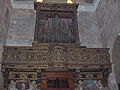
{"points": [[56, 27], [44, 83], [56, 75], [55, 6], [71, 83], [90, 75], [57, 79], [23, 75], [61, 54]]}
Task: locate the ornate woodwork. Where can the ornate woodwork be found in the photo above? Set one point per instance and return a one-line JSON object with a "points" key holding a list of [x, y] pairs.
{"points": [[56, 54], [88, 63], [56, 23], [57, 80], [47, 56]]}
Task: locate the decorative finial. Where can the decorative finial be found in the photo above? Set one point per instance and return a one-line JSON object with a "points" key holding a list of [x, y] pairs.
{"points": [[39, 0], [70, 1]]}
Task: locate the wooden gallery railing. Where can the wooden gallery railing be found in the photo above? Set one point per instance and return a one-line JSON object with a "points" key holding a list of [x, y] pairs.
{"points": [[87, 63]]}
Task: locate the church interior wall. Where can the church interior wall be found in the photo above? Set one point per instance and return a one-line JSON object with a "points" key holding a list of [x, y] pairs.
{"points": [[97, 29], [88, 30], [22, 24], [21, 29], [5, 12], [108, 16], [115, 57]]}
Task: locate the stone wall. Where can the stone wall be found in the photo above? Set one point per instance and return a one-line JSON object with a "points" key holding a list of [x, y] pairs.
{"points": [[108, 16], [21, 28], [116, 58], [88, 30], [5, 10], [22, 4]]}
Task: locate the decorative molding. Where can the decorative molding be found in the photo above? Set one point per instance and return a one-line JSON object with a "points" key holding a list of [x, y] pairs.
{"points": [[56, 54]]}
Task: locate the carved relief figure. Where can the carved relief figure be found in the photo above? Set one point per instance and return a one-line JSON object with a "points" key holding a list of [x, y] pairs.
{"points": [[90, 85], [22, 85], [99, 85], [56, 27], [80, 86]]}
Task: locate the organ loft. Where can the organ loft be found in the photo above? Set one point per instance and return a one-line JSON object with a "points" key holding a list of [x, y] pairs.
{"points": [[56, 60]]}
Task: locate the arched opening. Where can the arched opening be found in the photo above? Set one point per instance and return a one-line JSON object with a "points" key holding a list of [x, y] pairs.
{"points": [[116, 59]]}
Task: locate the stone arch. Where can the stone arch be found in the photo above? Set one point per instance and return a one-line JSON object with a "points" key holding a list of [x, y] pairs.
{"points": [[12, 85], [116, 58], [112, 78]]}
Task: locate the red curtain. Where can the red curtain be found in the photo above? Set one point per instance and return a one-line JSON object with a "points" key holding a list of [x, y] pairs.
{"points": [[57, 89]]}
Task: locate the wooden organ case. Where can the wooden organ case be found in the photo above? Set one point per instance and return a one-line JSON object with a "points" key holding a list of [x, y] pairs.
{"points": [[55, 61]]}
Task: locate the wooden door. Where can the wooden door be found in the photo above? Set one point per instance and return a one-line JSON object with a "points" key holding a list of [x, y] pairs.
{"points": [[57, 80]]}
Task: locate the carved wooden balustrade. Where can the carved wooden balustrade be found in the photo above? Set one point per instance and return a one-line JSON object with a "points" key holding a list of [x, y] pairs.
{"points": [[51, 54], [27, 63]]}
